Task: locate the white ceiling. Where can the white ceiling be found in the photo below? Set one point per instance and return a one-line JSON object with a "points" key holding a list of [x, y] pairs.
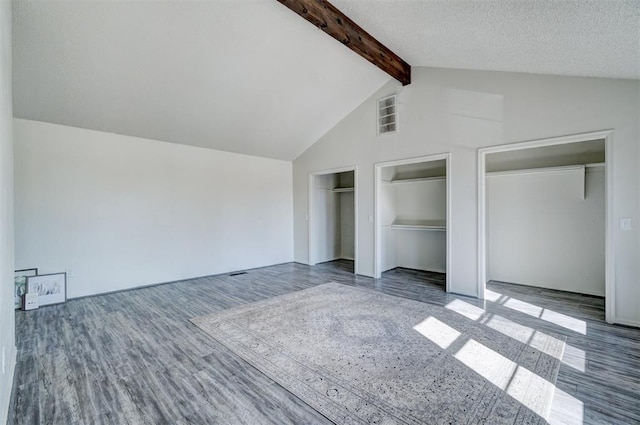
{"points": [[250, 76], [242, 76], [595, 38]]}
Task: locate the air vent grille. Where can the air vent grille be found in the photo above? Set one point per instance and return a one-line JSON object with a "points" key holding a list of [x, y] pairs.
{"points": [[387, 115]]}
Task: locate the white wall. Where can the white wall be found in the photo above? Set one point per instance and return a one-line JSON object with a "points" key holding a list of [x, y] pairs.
{"points": [[326, 218], [541, 232], [333, 217], [410, 248], [7, 328], [459, 111], [347, 225], [117, 212]]}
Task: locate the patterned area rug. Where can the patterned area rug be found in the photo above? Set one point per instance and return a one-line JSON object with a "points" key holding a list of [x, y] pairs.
{"points": [[360, 356]]}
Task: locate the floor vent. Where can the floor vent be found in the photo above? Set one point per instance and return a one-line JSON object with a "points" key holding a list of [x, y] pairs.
{"points": [[237, 274], [387, 115]]}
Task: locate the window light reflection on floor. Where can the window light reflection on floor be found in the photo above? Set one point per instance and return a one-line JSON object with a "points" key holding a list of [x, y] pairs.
{"points": [[566, 409], [467, 310], [492, 296], [567, 322], [523, 307], [573, 356], [520, 383], [437, 332]]}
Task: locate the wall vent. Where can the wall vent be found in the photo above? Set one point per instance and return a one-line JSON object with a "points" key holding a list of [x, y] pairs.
{"points": [[387, 115]]}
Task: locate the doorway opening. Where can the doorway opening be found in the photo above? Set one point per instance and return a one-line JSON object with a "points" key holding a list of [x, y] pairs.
{"points": [[333, 216], [544, 210], [412, 215]]}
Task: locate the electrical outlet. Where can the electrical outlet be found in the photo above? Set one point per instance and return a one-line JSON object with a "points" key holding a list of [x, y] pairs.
{"points": [[625, 223]]}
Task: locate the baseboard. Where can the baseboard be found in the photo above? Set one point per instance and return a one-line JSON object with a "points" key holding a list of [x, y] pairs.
{"points": [[150, 285], [335, 259], [7, 401], [416, 270], [624, 322], [530, 285]]}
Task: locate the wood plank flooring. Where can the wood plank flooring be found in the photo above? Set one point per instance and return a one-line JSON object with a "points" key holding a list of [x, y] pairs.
{"points": [[134, 358]]}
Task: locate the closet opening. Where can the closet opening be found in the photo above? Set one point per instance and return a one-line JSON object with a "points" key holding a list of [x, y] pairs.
{"points": [[333, 217], [412, 216], [544, 215]]}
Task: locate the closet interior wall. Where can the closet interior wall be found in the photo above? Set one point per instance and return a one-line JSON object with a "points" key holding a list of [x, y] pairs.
{"points": [[413, 201], [545, 216], [334, 216], [547, 229]]}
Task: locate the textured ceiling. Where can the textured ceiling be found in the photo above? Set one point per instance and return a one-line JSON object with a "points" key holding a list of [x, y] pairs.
{"points": [[242, 76], [250, 76], [564, 37]]}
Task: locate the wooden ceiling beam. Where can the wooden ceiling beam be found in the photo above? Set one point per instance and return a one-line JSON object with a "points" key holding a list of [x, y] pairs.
{"points": [[329, 19]]}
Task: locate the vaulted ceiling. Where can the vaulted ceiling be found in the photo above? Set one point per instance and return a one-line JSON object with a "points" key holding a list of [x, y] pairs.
{"points": [[250, 76], [592, 38]]}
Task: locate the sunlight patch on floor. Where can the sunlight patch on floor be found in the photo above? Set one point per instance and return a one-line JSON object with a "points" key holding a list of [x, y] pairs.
{"points": [[467, 310], [566, 409], [526, 387], [523, 307], [575, 357], [524, 334], [567, 322], [533, 338], [492, 296], [439, 333]]}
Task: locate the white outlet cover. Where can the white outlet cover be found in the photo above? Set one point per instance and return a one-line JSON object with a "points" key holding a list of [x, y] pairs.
{"points": [[625, 223]]}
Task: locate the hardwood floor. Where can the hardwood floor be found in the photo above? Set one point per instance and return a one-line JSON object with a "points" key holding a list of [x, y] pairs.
{"points": [[134, 358]]}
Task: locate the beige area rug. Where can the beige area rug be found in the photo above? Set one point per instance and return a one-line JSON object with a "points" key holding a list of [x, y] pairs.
{"points": [[360, 356]]}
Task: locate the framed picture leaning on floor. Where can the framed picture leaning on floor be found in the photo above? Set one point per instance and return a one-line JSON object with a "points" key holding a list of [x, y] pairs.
{"points": [[51, 288], [20, 279]]}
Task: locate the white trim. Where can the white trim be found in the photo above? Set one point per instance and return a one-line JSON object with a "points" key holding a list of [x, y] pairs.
{"points": [[377, 232], [541, 170], [607, 135], [625, 322], [311, 255], [595, 165], [422, 179], [609, 218], [377, 221], [562, 140], [482, 224], [9, 376], [336, 258], [310, 236]]}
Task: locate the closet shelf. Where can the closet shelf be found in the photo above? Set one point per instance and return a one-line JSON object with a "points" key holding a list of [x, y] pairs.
{"points": [[343, 189], [436, 225], [415, 180]]}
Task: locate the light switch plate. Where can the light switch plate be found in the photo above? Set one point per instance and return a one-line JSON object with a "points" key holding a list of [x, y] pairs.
{"points": [[625, 223]]}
